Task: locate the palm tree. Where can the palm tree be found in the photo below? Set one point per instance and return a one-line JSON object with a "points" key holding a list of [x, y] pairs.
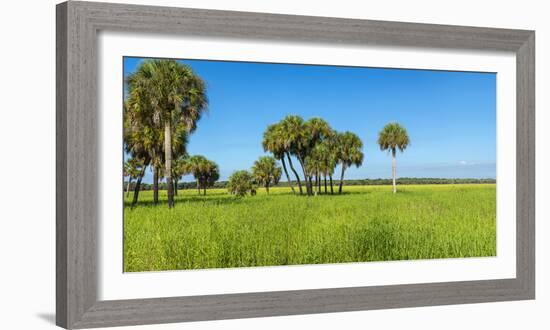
{"points": [[392, 137], [192, 166], [317, 130], [273, 142], [290, 132], [140, 137], [176, 96], [349, 153], [296, 141], [325, 156], [266, 171], [314, 165], [178, 170], [132, 169], [211, 174], [205, 171], [331, 159]]}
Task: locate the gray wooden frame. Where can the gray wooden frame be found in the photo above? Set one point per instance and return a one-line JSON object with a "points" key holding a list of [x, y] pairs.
{"points": [[77, 152]]}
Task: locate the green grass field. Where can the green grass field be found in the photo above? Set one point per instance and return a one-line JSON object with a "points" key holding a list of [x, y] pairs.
{"points": [[366, 223]]}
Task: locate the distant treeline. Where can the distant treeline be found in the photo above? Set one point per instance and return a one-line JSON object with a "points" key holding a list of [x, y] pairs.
{"points": [[360, 182], [404, 181]]}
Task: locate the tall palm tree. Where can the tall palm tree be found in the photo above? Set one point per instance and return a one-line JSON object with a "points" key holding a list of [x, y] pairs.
{"points": [[266, 171], [316, 130], [314, 166], [295, 142], [331, 160], [176, 97], [349, 153], [324, 153], [273, 142], [392, 137]]}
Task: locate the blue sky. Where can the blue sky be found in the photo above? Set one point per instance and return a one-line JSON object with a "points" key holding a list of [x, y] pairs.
{"points": [[450, 116]]}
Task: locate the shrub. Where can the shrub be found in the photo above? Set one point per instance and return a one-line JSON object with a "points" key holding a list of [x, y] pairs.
{"points": [[240, 183]]}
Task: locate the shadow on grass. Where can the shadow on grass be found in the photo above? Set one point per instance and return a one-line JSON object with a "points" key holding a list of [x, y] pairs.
{"points": [[226, 199], [189, 199]]}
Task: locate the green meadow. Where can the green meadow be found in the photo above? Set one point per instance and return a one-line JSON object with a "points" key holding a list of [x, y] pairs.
{"points": [[365, 223]]}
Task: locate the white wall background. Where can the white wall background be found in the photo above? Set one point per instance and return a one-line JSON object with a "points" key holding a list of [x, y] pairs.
{"points": [[27, 142]]}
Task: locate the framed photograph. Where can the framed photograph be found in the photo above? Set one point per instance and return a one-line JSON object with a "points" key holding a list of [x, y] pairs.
{"points": [[217, 165]]}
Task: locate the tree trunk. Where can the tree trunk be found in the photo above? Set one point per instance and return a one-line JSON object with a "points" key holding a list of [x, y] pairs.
{"points": [[286, 173], [318, 182], [138, 186], [204, 188], [136, 191], [331, 185], [155, 185], [267, 188], [295, 173], [325, 183], [175, 187], [198, 186], [168, 159], [342, 178], [393, 170], [306, 177], [128, 187]]}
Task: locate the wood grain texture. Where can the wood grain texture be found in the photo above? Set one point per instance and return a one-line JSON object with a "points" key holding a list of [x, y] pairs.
{"points": [[77, 158], [295, 28], [61, 167], [77, 190], [525, 165]]}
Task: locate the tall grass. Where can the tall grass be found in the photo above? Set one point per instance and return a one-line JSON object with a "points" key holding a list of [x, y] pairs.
{"points": [[367, 223]]}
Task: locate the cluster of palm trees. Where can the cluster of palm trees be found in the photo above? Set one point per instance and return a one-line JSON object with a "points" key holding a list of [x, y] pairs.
{"points": [[165, 100], [205, 171], [318, 149]]}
